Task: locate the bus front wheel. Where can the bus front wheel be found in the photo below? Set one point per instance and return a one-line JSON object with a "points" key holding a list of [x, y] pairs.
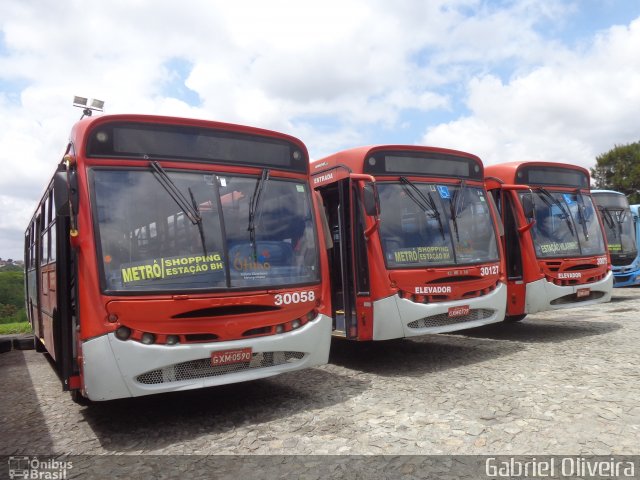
{"points": [[80, 399], [514, 318], [38, 345]]}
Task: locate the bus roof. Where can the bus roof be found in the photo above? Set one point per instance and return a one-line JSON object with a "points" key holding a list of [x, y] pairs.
{"points": [[86, 123], [612, 192], [172, 130], [539, 173], [610, 198], [396, 160]]}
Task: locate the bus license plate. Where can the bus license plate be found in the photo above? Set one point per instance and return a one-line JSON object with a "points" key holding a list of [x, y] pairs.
{"points": [[583, 292], [228, 357], [461, 311]]}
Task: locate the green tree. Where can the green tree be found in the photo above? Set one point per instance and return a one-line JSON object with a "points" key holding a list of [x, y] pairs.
{"points": [[619, 169]]}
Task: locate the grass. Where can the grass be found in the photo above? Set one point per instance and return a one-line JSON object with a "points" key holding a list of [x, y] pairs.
{"points": [[19, 327]]}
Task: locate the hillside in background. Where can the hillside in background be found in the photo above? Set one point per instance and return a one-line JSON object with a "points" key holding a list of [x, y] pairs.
{"points": [[12, 294]]}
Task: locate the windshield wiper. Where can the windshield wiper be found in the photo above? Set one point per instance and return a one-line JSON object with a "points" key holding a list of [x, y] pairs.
{"points": [[608, 218], [254, 204], [456, 206], [426, 203], [621, 218], [581, 215], [199, 221], [611, 221], [553, 200], [190, 209]]}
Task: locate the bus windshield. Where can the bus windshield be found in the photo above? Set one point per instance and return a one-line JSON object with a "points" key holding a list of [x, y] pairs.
{"points": [[426, 224], [618, 223], [565, 224], [230, 231]]}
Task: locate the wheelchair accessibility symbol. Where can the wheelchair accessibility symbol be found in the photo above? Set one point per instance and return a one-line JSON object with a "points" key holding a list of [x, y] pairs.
{"points": [[443, 190]]}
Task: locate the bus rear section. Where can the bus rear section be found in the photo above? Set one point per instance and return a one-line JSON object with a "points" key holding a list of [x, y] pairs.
{"points": [[415, 242], [554, 244], [188, 256], [620, 227]]}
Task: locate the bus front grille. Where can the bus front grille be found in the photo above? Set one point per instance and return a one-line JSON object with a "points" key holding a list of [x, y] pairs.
{"points": [[574, 298], [202, 368], [618, 261], [444, 319]]}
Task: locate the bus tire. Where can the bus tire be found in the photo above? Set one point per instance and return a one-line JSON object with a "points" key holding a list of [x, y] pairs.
{"points": [[5, 345], [38, 345], [514, 318], [80, 399], [23, 343]]}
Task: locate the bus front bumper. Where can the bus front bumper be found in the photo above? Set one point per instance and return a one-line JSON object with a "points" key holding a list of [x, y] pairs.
{"points": [[114, 368], [396, 317], [543, 295], [626, 277]]}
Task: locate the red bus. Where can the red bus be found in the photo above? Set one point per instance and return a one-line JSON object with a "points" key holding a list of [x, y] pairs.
{"points": [[555, 249], [171, 254], [415, 242]]}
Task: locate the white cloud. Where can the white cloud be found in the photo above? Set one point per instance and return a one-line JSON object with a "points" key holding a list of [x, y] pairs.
{"points": [[329, 73], [569, 110]]}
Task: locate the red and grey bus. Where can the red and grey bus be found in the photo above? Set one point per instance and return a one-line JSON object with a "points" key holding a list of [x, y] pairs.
{"points": [[415, 242], [170, 254], [555, 249]]}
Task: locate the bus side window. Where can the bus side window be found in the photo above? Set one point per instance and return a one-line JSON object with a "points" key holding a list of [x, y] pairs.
{"points": [[44, 237]]}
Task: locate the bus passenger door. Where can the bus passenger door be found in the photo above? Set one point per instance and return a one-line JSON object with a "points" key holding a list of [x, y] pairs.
{"points": [[338, 202], [65, 321], [64, 318], [513, 253], [36, 310]]}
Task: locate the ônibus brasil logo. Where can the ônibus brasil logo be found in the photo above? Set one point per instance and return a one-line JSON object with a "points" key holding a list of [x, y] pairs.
{"points": [[34, 468]]}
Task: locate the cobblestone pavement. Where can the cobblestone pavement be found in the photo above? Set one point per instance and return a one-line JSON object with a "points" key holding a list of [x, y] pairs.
{"points": [[563, 383]]}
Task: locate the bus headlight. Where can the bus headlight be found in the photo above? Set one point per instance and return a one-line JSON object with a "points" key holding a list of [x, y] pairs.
{"points": [[148, 338], [173, 339]]}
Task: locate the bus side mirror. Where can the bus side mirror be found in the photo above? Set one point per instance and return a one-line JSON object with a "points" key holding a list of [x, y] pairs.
{"points": [[370, 199], [61, 193], [529, 210], [528, 207], [65, 191]]}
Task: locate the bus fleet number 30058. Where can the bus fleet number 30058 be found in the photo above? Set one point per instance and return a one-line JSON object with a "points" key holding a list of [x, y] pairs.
{"points": [[294, 297]]}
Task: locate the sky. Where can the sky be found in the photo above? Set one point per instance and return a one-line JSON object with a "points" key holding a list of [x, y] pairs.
{"points": [[554, 80]]}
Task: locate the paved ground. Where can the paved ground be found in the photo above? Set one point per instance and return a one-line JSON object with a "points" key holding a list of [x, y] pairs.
{"points": [[563, 383]]}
